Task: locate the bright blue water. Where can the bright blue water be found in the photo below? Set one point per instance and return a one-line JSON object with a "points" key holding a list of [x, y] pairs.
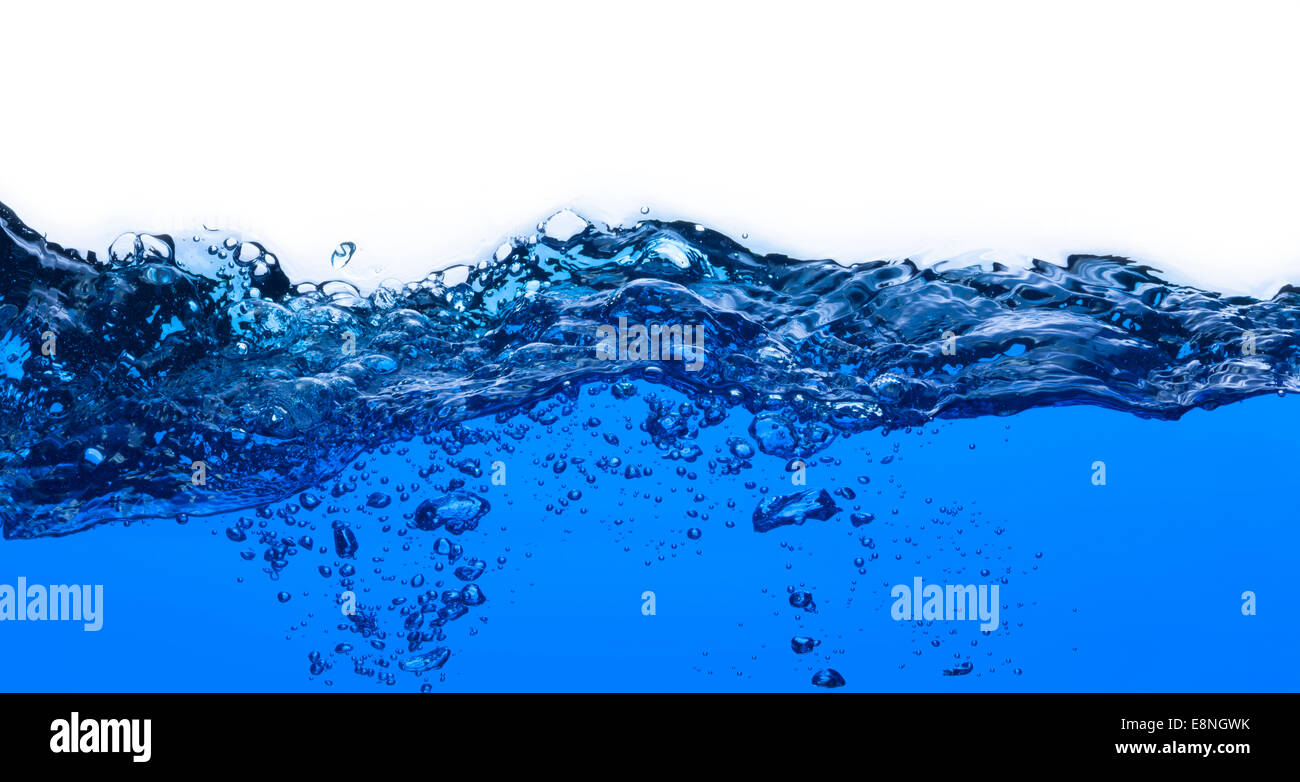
{"points": [[1132, 585]]}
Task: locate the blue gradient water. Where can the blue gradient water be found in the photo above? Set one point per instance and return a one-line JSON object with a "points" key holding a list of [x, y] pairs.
{"points": [[977, 461]]}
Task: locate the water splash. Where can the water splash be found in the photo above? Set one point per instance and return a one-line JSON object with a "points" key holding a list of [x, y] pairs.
{"points": [[342, 255], [121, 374]]}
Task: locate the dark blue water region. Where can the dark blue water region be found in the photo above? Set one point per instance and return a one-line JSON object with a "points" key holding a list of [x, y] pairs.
{"points": [[1135, 585]]}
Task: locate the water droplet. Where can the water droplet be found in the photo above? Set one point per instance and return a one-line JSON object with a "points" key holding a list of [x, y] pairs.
{"points": [[343, 255]]}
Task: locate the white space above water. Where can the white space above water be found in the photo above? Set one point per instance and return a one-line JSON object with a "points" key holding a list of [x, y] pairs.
{"points": [[1162, 131]]}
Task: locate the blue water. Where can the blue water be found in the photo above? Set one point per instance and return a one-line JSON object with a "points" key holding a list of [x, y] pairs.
{"points": [[972, 468]]}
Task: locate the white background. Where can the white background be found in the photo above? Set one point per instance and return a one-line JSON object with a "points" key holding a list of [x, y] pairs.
{"points": [[427, 134]]}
